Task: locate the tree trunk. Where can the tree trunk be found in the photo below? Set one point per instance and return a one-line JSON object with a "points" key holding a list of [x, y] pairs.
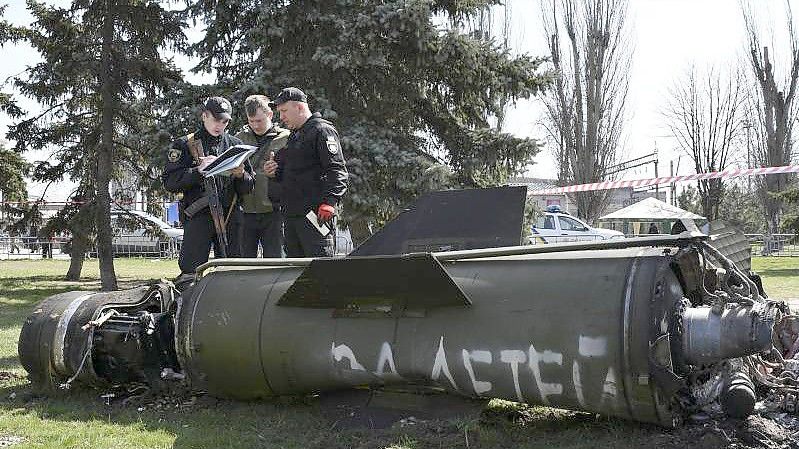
{"points": [[585, 110], [772, 205], [775, 113], [77, 255], [105, 253], [359, 231]]}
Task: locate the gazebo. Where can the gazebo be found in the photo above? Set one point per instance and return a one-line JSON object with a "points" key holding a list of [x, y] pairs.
{"points": [[648, 211]]}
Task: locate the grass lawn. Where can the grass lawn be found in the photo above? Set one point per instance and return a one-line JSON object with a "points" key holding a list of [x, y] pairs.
{"points": [[780, 276], [82, 419]]}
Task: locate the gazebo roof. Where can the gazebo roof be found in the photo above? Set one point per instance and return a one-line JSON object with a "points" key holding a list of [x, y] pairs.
{"points": [[651, 209]]}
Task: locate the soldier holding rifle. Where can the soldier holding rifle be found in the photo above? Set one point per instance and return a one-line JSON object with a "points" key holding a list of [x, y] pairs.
{"points": [[209, 205]]}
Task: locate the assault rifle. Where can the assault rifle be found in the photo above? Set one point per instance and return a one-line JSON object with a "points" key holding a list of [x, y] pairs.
{"points": [[212, 195]]}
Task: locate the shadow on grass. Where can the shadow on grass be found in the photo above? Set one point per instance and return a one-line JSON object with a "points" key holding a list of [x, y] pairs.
{"points": [[10, 362], [778, 272]]}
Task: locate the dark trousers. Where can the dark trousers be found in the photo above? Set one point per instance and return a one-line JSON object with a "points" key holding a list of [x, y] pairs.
{"points": [[265, 230], [235, 230], [198, 236], [303, 240]]}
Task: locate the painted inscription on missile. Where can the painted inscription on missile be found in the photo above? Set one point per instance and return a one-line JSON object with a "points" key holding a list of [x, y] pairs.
{"points": [[522, 365]]}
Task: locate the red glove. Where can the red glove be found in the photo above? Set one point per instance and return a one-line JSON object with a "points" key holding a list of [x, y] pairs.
{"points": [[325, 213]]}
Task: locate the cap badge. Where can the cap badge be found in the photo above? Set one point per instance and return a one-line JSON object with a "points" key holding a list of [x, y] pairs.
{"points": [[174, 155]]}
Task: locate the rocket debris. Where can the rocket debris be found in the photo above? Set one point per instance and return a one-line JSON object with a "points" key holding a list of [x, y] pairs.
{"points": [[649, 329]]}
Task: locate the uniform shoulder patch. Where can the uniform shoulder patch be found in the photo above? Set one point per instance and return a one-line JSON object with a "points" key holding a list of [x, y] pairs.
{"points": [[174, 154], [332, 144]]}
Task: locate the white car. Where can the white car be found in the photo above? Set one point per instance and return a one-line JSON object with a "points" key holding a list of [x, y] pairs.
{"points": [[139, 233], [557, 227]]}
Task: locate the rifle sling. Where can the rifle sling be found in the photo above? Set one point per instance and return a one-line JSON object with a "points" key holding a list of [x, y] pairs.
{"points": [[230, 209], [196, 206]]}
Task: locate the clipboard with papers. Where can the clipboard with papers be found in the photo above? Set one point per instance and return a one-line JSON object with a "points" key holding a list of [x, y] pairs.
{"points": [[229, 160]]}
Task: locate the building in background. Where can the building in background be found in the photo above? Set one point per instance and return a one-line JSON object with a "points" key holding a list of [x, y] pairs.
{"points": [[542, 201]]}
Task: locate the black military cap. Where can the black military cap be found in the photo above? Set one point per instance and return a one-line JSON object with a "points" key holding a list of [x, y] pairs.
{"points": [[219, 107], [289, 94]]}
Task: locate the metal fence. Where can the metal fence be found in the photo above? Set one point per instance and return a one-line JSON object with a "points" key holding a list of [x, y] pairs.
{"points": [[774, 244], [144, 246], [27, 247]]}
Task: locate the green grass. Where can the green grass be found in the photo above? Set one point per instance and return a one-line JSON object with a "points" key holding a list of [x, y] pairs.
{"points": [[82, 419], [780, 276], [23, 283]]}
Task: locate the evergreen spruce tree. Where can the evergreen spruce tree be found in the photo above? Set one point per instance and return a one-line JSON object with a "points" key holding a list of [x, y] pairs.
{"points": [[98, 58], [410, 94], [13, 167], [12, 186]]}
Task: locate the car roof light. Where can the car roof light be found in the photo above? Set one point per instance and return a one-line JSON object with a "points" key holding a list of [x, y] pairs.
{"points": [[555, 209]]}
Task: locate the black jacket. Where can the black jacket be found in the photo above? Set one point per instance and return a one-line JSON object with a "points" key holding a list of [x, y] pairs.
{"points": [[181, 176], [311, 168]]}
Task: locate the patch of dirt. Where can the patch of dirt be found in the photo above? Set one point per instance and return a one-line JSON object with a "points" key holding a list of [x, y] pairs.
{"points": [[513, 425], [370, 422], [771, 430], [177, 398], [354, 409]]}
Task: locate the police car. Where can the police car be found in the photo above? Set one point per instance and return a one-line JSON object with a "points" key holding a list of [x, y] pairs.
{"points": [[556, 226]]}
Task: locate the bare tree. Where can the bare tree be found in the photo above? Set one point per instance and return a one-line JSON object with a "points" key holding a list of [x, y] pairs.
{"points": [[772, 110], [585, 110], [705, 116]]}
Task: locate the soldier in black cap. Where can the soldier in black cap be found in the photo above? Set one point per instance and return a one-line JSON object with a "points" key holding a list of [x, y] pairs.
{"points": [[312, 173], [186, 159]]}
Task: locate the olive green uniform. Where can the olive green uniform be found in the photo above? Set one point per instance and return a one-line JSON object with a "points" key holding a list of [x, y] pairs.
{"points": [[262, 220]]}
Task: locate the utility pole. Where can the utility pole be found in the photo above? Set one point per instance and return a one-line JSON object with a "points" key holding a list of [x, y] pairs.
{"points": [[748, 126], [657, 186], [672, 189]]}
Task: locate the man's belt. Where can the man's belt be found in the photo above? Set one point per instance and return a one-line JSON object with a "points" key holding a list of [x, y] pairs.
{"points": [[196, 206]]}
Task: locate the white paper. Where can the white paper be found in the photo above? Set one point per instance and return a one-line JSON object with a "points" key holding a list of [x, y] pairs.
{"points": [[322, 228], [229, 160]]}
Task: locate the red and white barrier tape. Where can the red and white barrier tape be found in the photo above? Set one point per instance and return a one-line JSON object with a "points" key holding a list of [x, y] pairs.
{"points": [[607, 185]]}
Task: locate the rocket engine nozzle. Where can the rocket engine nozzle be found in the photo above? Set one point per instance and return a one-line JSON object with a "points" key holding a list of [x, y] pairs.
{"points": [[735, 331]]}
